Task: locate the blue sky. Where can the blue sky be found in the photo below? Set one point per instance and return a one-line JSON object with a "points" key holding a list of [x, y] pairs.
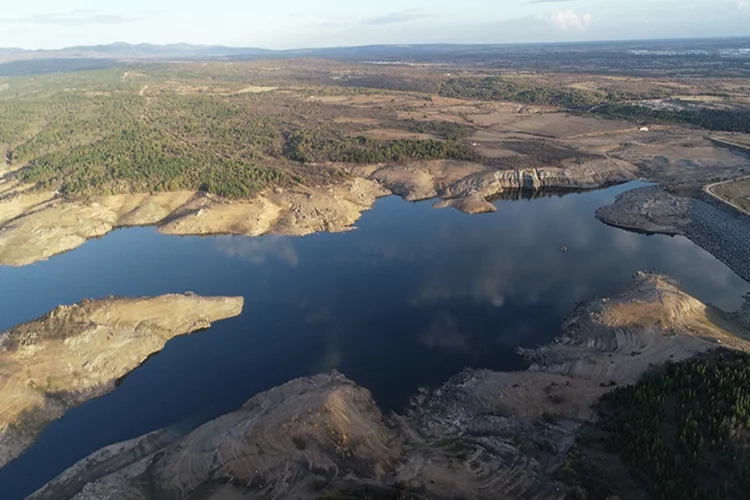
{"points": [[315, 23]]}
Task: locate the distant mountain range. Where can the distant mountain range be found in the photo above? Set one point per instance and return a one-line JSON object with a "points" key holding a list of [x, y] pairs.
{"points": [[137, 51], [562, 56], [127, 51]]}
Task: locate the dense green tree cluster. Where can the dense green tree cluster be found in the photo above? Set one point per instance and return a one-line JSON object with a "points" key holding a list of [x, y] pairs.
{"points": [[16, 117], [139, 158], [450, 131], [313, 146], [712, 119], [685, 431], [227, 126], [92, 133], [496, 88]]}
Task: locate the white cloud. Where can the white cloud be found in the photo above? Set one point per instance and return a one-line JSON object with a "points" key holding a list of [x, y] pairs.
{"points": [[572, 20], [743, 4]]}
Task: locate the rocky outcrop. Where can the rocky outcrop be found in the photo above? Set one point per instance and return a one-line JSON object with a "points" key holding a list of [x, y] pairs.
{"points": [[35, 226], [324, 435], [298, 211], [76, 353], [649, 209], [468, 186], [483, 434]]}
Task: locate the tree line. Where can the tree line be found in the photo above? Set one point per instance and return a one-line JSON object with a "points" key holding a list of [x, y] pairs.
{"points": [[684, 431]]}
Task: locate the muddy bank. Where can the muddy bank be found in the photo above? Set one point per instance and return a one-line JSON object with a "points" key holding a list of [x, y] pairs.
{"points": [[481, 434], [79, 352], [717, 227], [35, 226]]}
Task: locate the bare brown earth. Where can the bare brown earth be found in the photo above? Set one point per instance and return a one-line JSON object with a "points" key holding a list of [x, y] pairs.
{"points": [[483, 434], [76, 353]]}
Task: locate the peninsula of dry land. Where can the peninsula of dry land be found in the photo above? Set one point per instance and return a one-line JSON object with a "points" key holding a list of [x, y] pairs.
{"points": [[79, 352]]}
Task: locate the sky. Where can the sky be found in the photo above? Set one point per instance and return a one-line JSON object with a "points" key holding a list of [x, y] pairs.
{"points": [[282, 24]]}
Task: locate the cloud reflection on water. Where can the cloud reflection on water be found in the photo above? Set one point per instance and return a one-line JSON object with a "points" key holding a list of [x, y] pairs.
{"points": [[258, 250]]}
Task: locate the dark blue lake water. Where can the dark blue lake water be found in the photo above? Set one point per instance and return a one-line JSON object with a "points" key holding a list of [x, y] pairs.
{"points": [[409, 299]]}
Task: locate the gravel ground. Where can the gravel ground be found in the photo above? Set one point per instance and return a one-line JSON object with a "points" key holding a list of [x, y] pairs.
{"points": [[722, 231]]}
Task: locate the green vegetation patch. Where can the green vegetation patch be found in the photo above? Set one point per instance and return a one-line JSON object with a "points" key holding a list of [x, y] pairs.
{"points": [[684, 432], [497, 88], [449, 131], [142, 159], [608, 104], [729, 120], [136, 130], [316, 146]]}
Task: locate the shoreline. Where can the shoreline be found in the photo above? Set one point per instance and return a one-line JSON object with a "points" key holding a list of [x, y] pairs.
{"points": [[706, 220], [325, 433], [33, 230]]}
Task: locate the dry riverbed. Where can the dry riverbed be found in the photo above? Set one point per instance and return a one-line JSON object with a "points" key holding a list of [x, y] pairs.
{"points": [[481, 434], [79, 352]]}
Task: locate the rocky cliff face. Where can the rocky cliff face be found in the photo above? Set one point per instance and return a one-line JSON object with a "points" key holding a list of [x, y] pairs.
{"points": [[468, 186], [76, 353], [483, 434]]}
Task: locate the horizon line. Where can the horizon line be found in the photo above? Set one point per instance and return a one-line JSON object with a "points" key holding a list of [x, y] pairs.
{"points": [[385, 44]]}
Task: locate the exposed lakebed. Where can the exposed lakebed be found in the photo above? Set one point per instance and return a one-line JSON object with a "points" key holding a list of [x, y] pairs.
{"points": [[409, 299]]}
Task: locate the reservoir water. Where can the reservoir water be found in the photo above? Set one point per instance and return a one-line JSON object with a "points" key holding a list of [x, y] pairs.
{"points": [[408, 299]]}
